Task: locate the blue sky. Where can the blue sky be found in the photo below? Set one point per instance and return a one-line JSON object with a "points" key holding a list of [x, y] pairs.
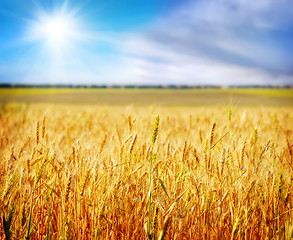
{"points": [[223, 42]]}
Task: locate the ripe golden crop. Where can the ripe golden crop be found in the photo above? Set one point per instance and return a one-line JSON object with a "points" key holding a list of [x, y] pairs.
{"points": [[115, 172]]}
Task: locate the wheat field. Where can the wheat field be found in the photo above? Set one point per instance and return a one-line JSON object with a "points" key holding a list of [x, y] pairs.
{"points": [[145, 172]]}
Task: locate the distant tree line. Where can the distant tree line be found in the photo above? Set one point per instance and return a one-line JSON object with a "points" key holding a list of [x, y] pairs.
{"points": [[133, 86]]}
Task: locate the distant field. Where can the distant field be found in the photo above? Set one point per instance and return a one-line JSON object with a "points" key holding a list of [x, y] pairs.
{"points": [[150, 96]]}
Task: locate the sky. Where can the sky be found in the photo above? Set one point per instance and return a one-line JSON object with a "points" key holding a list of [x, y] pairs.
{"points": [[155, 42]]}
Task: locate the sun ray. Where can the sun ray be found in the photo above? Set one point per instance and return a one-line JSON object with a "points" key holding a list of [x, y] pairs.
{"points": [[58, 37], [58, 30]]}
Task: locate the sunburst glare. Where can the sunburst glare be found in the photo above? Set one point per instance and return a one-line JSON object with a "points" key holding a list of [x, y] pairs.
{"points": [[59, 41], [56, 31]]}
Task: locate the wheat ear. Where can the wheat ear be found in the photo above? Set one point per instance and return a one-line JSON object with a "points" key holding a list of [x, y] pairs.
{"points": [[154, 138]]}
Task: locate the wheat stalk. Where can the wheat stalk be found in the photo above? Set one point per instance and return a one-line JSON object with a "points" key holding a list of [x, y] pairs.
{"points": [[37, 133], [43, 127], [23, 146], [154, 138]]}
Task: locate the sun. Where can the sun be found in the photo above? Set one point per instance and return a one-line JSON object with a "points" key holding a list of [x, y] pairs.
{"points": [[58, 40], [56, 31]]}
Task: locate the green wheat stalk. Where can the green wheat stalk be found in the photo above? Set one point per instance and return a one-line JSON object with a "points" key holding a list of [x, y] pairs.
{"points": [[154, 138]]}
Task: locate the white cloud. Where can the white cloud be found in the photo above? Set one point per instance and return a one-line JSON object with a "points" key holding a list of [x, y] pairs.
{"points": [[214, 42], [156, 65], [264, 13]]}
